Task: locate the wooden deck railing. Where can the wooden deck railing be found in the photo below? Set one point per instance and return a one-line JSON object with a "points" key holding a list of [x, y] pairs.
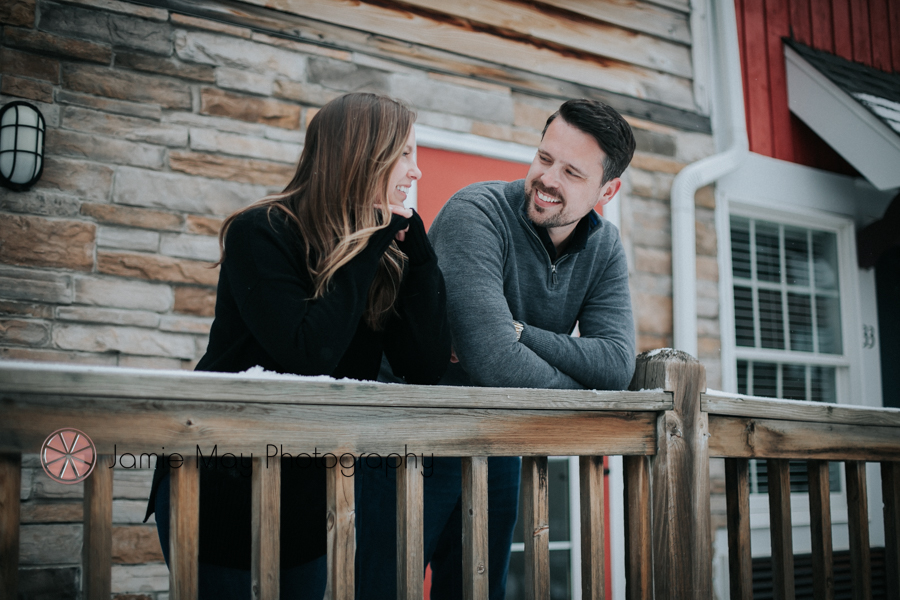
{"points": [[665, 436]]}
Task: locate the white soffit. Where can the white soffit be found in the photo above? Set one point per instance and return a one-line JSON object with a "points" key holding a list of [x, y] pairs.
{"points": [[860, 137], [467, 143]]}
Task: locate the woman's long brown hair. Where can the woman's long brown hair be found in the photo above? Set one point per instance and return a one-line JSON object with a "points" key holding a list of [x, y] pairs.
{"points": [[338, 196]]}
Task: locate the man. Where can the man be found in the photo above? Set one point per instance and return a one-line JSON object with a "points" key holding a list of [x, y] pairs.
{"points": [[523, 263]]}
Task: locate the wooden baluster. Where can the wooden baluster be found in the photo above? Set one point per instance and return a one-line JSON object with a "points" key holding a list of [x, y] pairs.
{"points": [[858, 515], [475, 527], [780, 529], [184, 529], [682, 559], [10, 490], [97, 546], [410, 536], [265, 545], [890, 491], [820, 529], [590, 472], [536, 527], [638, 536], [341, 528], [737, 497]]}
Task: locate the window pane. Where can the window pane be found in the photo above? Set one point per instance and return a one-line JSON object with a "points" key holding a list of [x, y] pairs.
{"points": [[800, 319], [771, 323], [823, 387], [796, 256], [742, 377], [793, 382], [768, 263], [740, 247], [825, 259], [828, 323], [765, 379], [743, 316]]}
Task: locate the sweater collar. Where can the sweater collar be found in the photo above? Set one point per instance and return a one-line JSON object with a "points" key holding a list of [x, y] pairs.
{"points": [[583, 230]]}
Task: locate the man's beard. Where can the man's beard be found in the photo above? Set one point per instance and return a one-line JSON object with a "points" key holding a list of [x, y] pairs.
{"points": [[538, 214]]}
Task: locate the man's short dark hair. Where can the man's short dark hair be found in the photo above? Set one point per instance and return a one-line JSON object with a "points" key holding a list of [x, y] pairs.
{"points": [[604, 124]]}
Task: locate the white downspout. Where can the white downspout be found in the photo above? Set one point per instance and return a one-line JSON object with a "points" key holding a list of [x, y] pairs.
{"points": [[729, 128]]}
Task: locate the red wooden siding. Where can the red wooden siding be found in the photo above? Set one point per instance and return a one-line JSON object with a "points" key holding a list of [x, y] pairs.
{"points": [[865, 31]]}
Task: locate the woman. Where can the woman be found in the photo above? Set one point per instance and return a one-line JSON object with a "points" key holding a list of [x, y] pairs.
{"points": [[321, 279]]}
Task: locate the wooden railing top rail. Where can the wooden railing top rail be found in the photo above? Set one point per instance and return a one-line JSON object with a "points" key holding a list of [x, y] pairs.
{"points": [[737, 405]]}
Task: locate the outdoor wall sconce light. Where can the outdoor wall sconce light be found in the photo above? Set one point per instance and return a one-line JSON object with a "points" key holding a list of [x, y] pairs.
{"points": [[21, 145]]}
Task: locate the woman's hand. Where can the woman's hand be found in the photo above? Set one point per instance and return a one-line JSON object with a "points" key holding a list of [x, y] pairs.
{"points": [[403, 212]]}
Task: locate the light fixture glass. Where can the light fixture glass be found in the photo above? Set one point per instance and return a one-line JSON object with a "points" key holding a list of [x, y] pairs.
{"points": [[21, 145]]}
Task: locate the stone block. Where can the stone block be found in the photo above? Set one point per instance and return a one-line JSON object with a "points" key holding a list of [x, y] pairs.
{"points": [[709, 347], [211, 49], [195, 301], [216, 26], [39, 242], [109, 316], [656, 186], [649, 283], [171, 67], [654, 142], [50, 111], [530, 116], [126, 8], [126, 238], [130, 511], [706, 197], [220, 103], [29, 65], [649, 162], [244, 81], [706, 238], [708, 307], [132, 484], [135, 544], [118, 293], [125, 85], [708, 268], [53, 44], [127, 340], [215, 123], [692, 147], [344, 76], [307, 93], [57, 356], [151, 362], [708, 327], [157, 268], [122, 127], [179, 324], [44, 487], [182, 245], [443, 121], [653, 260], [301, 47], [140, 187], [26, 88], [204, 225], [652, 342], [133, 217], [105, 149], [652, 227], [119, 107], [86, 180], [48, 544], [117, 29], [205, 140], [526, 137], [51, 512], [140, 578], [21, 332], [25, 309], [41, 202], [18, 12], [653, 314], [49, 583], [478, 105]]}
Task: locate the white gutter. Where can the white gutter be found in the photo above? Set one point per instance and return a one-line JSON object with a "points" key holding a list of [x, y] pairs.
{"points": [[729, 126]]}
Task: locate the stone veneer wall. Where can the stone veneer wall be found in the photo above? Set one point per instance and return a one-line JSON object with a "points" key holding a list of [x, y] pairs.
{"points": [[159, 126]]}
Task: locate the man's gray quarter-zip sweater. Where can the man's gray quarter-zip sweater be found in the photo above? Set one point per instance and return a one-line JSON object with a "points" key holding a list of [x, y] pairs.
{"points": [[497, 270]]}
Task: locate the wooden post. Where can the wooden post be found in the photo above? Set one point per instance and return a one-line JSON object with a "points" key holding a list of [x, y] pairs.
{"points": [[475, 527], [341, 531], [890, 492], [184, 530], [97, 546], [780, 528], [265, 545], [737, 497], [820, 529], [10, 490], [682, 543], [536, 527], [593, 582], [858, 522], [410, 536], [638, 530]]}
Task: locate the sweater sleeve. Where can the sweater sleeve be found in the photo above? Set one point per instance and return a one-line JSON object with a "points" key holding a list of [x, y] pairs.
{"points": [[471, 249], [417, 343], [602, 358], [267, 274]]}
